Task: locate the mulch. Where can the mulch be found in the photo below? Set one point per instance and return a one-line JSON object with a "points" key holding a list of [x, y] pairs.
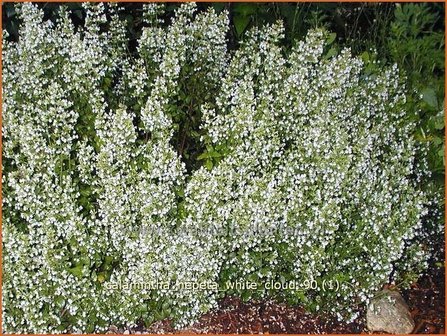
{"points": [[233, 316], [426, 300]]}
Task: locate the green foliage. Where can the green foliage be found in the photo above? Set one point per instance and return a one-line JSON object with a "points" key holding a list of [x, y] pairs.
{"points": [[414, 42], [418, 48]]}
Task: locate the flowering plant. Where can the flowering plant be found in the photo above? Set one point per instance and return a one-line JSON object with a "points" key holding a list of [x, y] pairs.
{"points": [[309, 171]]}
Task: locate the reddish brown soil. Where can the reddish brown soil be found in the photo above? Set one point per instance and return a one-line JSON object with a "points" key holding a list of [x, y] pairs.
{"points": [[234, 316], [425, 299]]}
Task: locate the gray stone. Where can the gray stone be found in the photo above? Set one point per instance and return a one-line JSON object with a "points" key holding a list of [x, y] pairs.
{"points": [[388, 312], [113, 329]]}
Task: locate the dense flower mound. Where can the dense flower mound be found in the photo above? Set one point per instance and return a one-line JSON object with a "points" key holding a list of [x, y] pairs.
{"points": [[310, 172], [318, 180]]}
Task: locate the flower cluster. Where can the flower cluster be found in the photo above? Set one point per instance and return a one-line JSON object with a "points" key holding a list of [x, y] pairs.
{"points": [[320, 161], [311, 170]]}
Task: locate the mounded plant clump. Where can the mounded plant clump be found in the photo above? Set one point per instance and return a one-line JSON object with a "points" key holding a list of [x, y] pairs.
{"points": [[309, 175]]}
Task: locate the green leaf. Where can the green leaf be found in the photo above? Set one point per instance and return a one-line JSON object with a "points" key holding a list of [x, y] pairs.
{"points": [[90, 328], [244, 9], [253, 277], [241, 23], [10, 11], [218, 7], [203, 156], [331, 38], [439, 264], [85, 260], [214, 154], [209, 164], [438, 122], [437, 141], [301, 296], [264, 271], [78, 13], [76, 271], [429, 96], [208, 155], [441, 152], [331, 52], [143, 308], [108, 259], [59, 301], [246, 296], [365, 57], [101, 277]]}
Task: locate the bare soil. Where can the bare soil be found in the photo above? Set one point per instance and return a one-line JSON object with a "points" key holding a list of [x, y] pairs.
{"points": [[425, 299]]}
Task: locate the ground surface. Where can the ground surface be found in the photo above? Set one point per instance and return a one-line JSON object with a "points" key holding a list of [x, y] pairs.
{"points": [[425, 299]]}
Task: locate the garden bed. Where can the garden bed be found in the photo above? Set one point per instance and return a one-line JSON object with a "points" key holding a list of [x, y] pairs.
{"points": [[197, 165], [425, 300]]}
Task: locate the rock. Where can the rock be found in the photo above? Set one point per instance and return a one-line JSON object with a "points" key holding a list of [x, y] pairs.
{"points": [[126, 332], [388, 312], [113, 329]]}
